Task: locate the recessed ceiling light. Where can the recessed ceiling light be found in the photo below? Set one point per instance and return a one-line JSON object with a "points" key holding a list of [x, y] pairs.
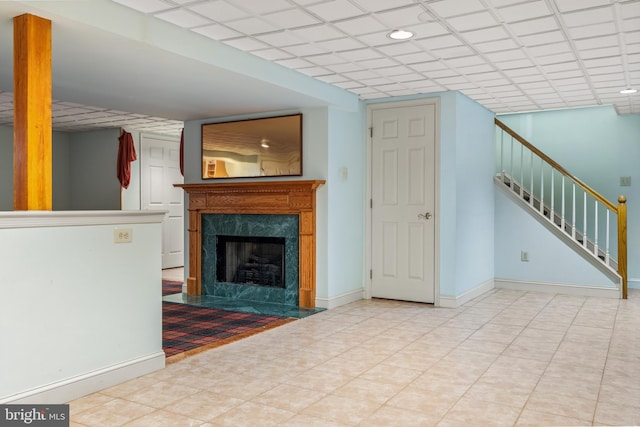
{"points": [[400, 35], [628, 91]]}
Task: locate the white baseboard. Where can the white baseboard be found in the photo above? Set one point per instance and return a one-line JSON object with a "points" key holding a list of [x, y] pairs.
{"points": [[633, 283], [337, 301], [447, 301], [73, 388], [558, 288]]}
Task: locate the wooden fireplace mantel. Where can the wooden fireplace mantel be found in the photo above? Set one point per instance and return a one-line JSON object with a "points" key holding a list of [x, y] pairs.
{"points": [[268, 197]]}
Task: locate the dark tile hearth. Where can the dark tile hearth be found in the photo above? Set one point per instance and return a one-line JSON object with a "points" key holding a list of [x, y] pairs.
{"points": [[229, 304]]}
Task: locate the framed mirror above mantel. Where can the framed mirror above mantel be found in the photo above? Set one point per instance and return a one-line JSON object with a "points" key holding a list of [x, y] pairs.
{"points": [[256, 197], [263, 147]]}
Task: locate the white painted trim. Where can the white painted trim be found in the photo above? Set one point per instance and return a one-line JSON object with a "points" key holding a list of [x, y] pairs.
{"points": [[342, 299], [447, 301], [32, 219], [91, 382], [559, 288]]}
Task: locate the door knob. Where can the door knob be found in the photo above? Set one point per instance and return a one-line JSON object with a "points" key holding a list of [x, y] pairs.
{"points": [[425, 216]]}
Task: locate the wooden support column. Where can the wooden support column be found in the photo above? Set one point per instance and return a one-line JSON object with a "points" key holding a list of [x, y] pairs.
{"points": [[32, 170]]}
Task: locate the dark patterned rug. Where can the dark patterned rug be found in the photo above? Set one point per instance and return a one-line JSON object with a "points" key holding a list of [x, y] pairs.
{"points": [[187, 329]]}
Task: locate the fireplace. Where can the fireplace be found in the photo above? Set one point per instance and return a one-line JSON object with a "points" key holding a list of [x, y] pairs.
{"points": [[251, 257], [248, 260], [270, 202]]}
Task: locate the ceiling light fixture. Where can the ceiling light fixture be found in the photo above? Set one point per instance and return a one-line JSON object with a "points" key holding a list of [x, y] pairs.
{"points": [[264, 142], [628, 91], [400, 35]]}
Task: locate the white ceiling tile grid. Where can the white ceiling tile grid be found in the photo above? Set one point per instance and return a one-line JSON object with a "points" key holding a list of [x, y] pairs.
{"points": [[508, 55], [573, 51]]}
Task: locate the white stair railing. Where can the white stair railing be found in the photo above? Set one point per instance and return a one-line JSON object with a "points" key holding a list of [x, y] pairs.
{"points": [[584, 214]]}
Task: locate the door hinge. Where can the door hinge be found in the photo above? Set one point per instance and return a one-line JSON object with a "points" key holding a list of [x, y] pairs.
{"points": [[371, 132], [370, 203], [370, 274]]}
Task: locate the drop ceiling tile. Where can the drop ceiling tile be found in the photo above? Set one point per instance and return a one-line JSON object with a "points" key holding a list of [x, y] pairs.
{"points": [[633, 37], [466, 61], [565, 74], [399, 49], [524, 11], [280, 39], [439, 42], [531, 80], [449, 80], [305, 50], [146, 6], [543, 38], [362, 75], [485, 35], [549, 49], [395, 70], [379, 39], [247, 44], [438, 74], [596, 30], [522, 72], [252, 26], [295, 63], [453, 52], [555, 59], [362, 25], [588, 17], [217, 32], [218, 11], [483, 77], [345, 68], [573, 81], [260, 7], [405, 78], [560, 67], [318, 33], [183, 18], [314, 71], [360, 54], [600, 53], [428, 29], [325, 59], [342, 44], [607, 77], [380, 5], [507, 55], [474, 70], [400, 18], [448, 8], [378, 63], [602, 62], [597, 42], [272, 54], [509, 65], [386, 87], [473, 21], [497, 45], [415, 58], [427, 66], [335, 10], [293, 18], [333, 78], [534, 26], [597, 71]]}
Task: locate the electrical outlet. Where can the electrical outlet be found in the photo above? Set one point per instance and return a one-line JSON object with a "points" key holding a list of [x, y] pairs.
{"points": [[122, 235], [524, 256]]}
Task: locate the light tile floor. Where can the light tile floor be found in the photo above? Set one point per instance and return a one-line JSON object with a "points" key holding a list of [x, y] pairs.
{"points": [[505, 358]]}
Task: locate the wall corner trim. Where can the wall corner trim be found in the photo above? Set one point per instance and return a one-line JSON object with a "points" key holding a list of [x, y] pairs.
{"points": [[448, 301]]}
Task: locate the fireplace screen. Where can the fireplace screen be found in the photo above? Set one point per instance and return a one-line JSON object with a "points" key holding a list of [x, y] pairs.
{"points": [[250, 260]]}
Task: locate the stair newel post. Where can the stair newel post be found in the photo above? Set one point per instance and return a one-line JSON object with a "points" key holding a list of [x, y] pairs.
{"points": [[622, 243]]}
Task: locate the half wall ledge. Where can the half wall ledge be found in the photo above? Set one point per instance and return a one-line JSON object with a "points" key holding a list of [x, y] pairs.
{"points": [[269, 197]]}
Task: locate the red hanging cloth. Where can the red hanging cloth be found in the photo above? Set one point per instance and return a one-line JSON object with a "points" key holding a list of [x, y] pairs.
{"points": [[126, 155], [182, 152]]}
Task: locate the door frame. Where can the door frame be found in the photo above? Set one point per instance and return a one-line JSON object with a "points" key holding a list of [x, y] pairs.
{"points": [[369, 171]]}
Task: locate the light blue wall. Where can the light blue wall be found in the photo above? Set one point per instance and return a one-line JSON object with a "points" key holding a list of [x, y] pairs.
{"points": [[94, 182], [466, 192], [60, 169], [346, 192], [474, 195], [598, 146]]}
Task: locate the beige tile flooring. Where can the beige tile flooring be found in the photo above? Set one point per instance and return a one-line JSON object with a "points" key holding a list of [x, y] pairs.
{"points": [[505, 358]]}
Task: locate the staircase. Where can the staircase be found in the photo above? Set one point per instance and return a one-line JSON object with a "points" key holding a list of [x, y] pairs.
{"points": [[578, 213]]}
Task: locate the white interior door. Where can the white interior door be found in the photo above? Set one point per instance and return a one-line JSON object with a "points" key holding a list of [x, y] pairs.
{"points": [[403, 203], [160, 169]]}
